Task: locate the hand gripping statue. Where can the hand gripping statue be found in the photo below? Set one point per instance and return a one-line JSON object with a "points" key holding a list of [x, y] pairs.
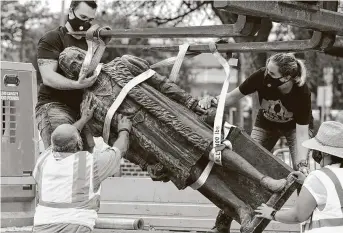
{"points": [[172, 142]]}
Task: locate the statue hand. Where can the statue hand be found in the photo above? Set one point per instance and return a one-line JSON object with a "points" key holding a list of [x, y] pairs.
{"points": [[85, 81], [207, 101]]}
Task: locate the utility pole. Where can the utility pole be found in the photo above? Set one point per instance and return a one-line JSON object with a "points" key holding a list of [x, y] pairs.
{"points": [[62, 21]]}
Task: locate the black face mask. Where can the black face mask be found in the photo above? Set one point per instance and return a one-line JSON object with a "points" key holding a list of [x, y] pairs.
{"points": [[269, 81], [317, 156], [78, 24]]}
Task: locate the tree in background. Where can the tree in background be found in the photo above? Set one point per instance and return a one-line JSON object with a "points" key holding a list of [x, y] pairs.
{"points": [[195, 13], [23, 24]]}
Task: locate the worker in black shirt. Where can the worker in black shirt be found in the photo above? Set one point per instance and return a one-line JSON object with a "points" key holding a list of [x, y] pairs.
{"points": [[285, 105], [285, 110], [59, 98]]}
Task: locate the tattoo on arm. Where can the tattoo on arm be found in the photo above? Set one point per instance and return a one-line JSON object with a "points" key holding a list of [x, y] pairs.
{"points": [[42, 62]]}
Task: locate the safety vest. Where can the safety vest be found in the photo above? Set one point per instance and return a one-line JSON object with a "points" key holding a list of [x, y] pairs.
{"points": [[330, 218], [65, 189]]}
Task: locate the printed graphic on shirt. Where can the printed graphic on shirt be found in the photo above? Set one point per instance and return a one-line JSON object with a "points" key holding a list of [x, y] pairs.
{"points": [[274, 110]]}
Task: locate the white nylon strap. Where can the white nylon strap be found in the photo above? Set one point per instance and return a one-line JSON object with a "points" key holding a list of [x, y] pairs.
{"points": [[98, 69], [203, 177], [179, 59], [120, 98], [217, 129], [218, 120], [171, 61], [92, 47]]}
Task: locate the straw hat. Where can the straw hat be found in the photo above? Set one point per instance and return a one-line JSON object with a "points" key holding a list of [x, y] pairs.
{"points": [[329, 139]]}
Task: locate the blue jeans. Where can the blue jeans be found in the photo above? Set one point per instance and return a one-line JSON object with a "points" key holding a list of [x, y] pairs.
{"points": [[268, 138], [50, 116]]}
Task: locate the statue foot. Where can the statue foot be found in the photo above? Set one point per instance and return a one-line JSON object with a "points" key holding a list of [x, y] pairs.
{"points": [[245, 216], [223, 223], [272, 184], [248, 228]]}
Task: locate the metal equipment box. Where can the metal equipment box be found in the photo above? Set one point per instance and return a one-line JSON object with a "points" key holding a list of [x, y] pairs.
{"points": [[19, 143]]}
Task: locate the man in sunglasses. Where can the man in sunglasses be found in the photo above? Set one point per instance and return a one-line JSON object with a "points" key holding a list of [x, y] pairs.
{"points": [[320, 202], [59, 98]]}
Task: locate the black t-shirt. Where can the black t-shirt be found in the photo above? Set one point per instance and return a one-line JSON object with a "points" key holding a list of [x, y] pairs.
{"points": [[49, 47], [279, 111]]}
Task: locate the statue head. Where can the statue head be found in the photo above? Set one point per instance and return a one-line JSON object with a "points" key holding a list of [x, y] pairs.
{"points": [[71, 60]]}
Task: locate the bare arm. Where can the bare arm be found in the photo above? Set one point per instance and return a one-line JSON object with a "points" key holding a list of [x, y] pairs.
{"points": [[122, 143], [87, 111], [50, 77], [301, 136], [80, 123], [232, 97], [301, 211], [108, 161]]}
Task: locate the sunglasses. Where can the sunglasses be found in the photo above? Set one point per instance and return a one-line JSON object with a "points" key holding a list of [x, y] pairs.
{"points": [[317, 156]]}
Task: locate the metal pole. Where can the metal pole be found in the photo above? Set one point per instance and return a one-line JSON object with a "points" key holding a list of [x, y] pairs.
{"points": [[62, 21], [214, 31]]}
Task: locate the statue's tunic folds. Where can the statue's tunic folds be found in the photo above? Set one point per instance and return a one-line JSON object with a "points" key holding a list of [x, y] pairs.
{"points": [[164, 129]]}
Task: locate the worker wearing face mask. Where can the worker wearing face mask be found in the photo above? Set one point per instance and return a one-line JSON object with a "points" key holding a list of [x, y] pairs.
{"points": [[320, 202], [285, 109], [59, 98]]}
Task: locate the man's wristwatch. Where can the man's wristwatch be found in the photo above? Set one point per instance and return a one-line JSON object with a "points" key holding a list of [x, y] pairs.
{"points": [[273, 214]]}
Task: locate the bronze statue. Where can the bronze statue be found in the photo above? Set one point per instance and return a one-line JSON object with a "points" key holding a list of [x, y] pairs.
{"points": [[171, 141]]}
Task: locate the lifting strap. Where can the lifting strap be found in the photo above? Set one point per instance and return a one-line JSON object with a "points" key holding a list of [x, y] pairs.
{"points": [[215, 154], [96, 48], [137, 80], [178, 62], [120, 98]]}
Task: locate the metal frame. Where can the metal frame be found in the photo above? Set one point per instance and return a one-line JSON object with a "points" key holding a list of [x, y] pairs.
{"points": [[318, 41], [244, 26], [293, 13], [326, 24]]}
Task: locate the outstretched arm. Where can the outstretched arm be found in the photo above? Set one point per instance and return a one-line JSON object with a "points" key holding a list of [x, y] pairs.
{"points": [[173, 91], [137, 66]]}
